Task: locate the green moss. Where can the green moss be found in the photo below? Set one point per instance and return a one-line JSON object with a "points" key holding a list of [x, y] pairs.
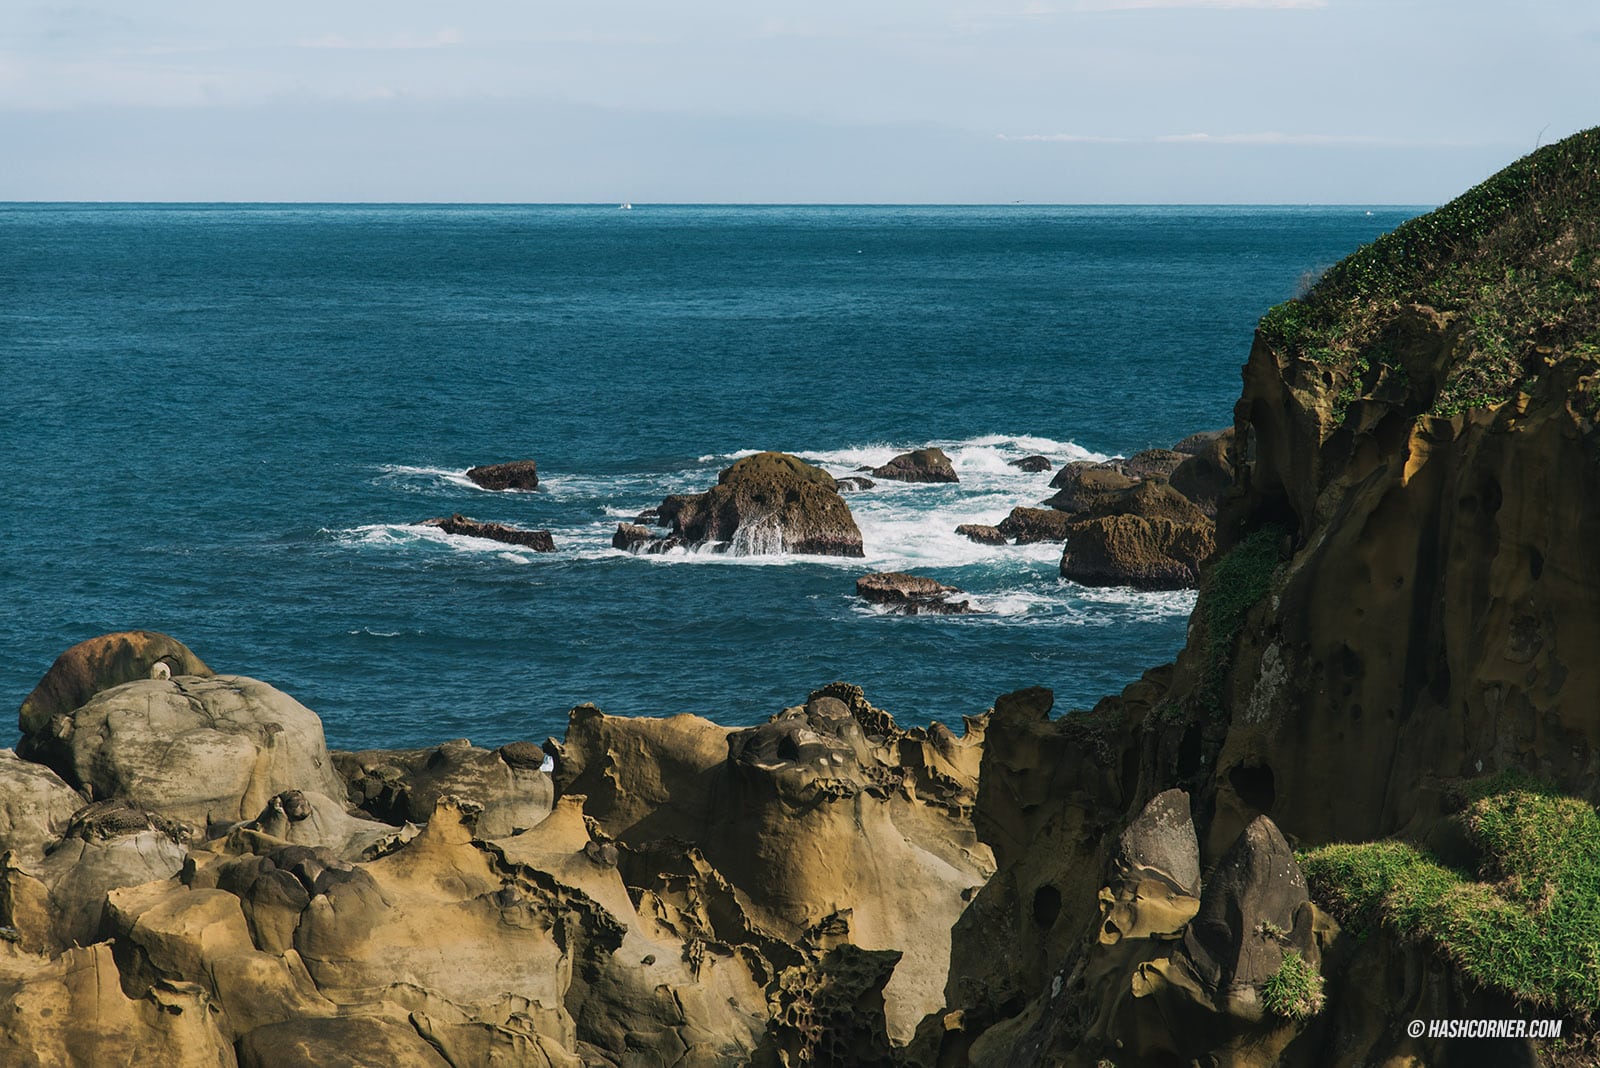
{"points": [[1514, 258], [1525, 921], [1294, 991], [1233, 586]]}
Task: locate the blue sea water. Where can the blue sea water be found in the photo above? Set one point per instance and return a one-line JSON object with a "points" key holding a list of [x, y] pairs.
{"points": [[224, 422]]}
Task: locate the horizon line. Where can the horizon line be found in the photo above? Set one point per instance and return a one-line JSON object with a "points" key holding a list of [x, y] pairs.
{"points": [[616, 205]]}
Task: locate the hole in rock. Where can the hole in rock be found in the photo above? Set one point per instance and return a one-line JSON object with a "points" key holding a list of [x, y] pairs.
{"points": [[1046, 905], [1254, 785]]}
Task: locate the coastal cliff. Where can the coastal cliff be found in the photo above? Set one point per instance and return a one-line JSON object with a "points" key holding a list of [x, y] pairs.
{"points": [[1363, 795]]}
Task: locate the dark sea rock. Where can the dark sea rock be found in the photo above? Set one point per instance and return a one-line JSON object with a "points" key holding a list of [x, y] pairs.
{"points": [[1208, 473], [1083, 484], [771, 502], [1028, 525], [854, 483], [910, 594], [919, 465], [1032, 463], [1151, 463], [981, 533], [516, 475], [459, 525]]}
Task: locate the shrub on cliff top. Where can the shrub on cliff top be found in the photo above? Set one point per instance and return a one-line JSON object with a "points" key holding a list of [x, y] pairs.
{"points": [[1526, 921], [1515, 257]]}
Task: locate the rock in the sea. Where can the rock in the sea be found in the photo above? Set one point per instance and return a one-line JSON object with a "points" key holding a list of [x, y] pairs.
{"points": [[1032, 463], [1208, 472], [197, 749], [537, 540], [1082, 485], [763, 504], [1028, 525], [854, 483], [919, 465], [1128, 550], [516, 475], [1151, 463], [910, 594], [981, 533]]}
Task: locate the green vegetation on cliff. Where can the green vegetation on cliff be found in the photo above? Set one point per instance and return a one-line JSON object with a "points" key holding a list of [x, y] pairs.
{"points": [[1514, 263], [1231, 587], [1526, 921], [1295, 990]]}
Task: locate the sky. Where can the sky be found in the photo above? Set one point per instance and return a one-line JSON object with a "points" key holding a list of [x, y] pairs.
{"points": [[898, 101]]}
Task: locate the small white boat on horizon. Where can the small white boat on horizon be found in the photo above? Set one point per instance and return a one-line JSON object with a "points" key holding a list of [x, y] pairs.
{"points": [[624, 206]]}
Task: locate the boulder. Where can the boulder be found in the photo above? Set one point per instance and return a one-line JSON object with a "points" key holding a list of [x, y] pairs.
{"points": [[981, 533], [35, 805], [919, 465], [1127, 550], [1031, 463], [302, 817], [461, 526], [854, 483], [910, 594], [1028, 525], [201, 750], [1151, 463], [1151, 499], [1207, 474], [1197, 442], [767, 503], [516, 475], [109, 844], [1082, 485], [99, 664]]}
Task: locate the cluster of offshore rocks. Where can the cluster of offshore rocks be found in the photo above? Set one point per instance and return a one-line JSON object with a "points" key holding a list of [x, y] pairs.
{"points": [[191, 877], [1146, 521]]}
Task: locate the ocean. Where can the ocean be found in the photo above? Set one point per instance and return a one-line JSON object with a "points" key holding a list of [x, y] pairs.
{"points": [[225, 422]]}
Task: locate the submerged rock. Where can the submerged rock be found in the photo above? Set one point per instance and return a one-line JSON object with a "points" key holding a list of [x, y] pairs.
{"points": [[516, 475], [919, 465], [1031, 463], [767, 503], [910, 594], [537, 540], [854, 483]]}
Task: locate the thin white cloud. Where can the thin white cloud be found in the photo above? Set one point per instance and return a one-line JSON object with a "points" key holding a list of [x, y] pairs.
{"points": [[1044, 7], [1264, 137], [393, 42]]}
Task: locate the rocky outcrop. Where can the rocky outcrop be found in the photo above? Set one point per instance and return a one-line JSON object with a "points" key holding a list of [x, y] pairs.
{"points": [[1031, 464], [516, 475], [1152, 463], [854, 484], [767, 503], [1148, 536], [35, 805], [981, 533], [1024, 526], [459, 525], [201, 750], [99, 664], [910, 594], [1207, 474], [919, 465], [398, 786], [1081, 485]]}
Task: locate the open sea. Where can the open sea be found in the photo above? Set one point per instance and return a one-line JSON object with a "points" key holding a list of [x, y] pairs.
{"points": [[225, 422]]}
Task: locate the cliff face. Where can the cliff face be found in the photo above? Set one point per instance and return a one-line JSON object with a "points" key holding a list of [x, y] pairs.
{"points": [[1405, 604]]}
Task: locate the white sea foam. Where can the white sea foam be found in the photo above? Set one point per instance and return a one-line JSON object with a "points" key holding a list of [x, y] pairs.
{"points": [[420, 479], [390, 535]]}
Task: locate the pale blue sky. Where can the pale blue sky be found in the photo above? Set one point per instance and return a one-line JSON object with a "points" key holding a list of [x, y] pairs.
{"points": [[1069, 101]]}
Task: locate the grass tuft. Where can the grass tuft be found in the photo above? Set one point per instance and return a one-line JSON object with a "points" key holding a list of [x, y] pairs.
{"points": [[1294, 991], [1526, 921], [1233, 586]]}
